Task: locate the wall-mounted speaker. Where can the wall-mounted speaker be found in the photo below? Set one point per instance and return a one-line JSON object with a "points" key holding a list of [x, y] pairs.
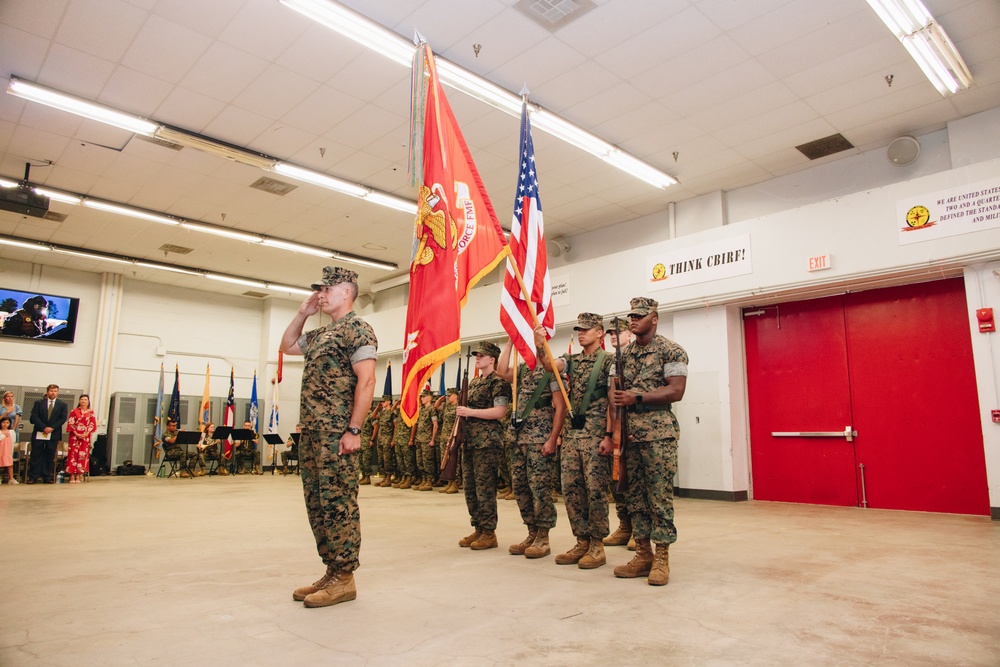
{"points": [[903, 151], [557, 247]]}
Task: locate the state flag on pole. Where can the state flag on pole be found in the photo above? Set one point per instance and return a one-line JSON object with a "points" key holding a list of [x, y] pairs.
{"points": [[174, 410], [254, 417], [457, 236], [205, 414], [387, 386], [158, 417], [272, 422], [527, 250], [229, 416]]}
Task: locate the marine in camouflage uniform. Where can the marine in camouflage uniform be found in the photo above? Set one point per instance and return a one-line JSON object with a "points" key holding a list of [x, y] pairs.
{"points": [[338, 381], [586, 475], [423, 438], [618, 332], [383, 441], [488, 398], [369, 452], [534, 429], [446, 421], [655, 371], [402, 447], [176, 452]]}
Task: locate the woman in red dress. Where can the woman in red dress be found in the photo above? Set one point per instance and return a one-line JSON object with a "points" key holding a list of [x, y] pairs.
{"points": [[80, 426]]}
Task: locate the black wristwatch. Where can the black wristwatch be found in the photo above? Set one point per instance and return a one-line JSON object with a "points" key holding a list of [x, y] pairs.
{"points": [[638, 399], [353, 430]]}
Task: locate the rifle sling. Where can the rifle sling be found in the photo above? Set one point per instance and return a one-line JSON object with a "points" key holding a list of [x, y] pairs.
{"points": [[536, 398], [595, 373]]}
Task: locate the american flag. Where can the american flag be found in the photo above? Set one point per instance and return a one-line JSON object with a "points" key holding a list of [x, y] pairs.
{"points": [[527, 245]]}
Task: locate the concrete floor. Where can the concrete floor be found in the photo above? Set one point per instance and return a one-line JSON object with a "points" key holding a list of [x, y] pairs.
{"points": [[144, 571]]}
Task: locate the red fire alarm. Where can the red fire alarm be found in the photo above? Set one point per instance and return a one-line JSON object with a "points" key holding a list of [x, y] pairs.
{"points": [[985, 317]]}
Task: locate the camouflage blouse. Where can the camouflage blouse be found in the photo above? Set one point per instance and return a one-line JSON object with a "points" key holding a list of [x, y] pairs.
{"points": [[538, 426], [401, 432], [328, 379], [384, 436], [579, 366], [425, 424], [446, 423], [486, 391], [646, 368], [367, 428]]}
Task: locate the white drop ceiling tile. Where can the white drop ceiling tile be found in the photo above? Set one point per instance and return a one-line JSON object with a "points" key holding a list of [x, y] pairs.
{"points": [[6, 133], [224, 71], [730, 15], [517, 33], [281, 139], [672, 135], [607, 104], [980, 54], [397, 99], [75, 72], [208, 18], [134, 169], [50, 120], [772, 29], [367, 125], [564, 90], [275, 92], [695, 71], [658, 42], [781, 161], [102, 135], [38, 18], [102, 28], [322, 109], [817, 47], [72, 237], [165, 50], [871, 109], [134, 92], [237, 126], [980, 98], [964, 20], [878, 58], [143, 4], [917, 121], [740, 79], [37, 145], [393, 147], [64, 178], [188, 110], [616, 22], [11, 108], [358, 166], [754, 103], [319, 53], [537, 65], [369, 76], [769, 123], [21, 53], [786, 138], [269, 28]]}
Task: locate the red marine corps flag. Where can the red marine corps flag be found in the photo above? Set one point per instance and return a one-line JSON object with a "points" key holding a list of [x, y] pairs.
{"points": [[457, 237], [527, 252]]}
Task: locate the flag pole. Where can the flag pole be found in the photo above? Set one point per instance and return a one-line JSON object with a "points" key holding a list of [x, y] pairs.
{"points": [[513, 365], [545, 343]]}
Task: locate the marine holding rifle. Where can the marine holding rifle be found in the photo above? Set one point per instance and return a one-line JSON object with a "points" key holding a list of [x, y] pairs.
{"points": [[535, 423], [655, 376], [586, 442]]}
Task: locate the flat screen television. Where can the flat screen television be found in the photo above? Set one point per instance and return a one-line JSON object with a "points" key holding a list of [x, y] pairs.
{"points": [[37, 316]]}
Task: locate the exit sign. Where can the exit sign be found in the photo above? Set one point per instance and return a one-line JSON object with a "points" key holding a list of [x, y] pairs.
{"points": [[819, 263]]}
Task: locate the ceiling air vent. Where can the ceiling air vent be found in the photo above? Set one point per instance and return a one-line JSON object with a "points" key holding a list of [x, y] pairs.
{"points": [[176, 249], [55, 217], [256, 295], [554, 14], [835, 143], [275, 187]]}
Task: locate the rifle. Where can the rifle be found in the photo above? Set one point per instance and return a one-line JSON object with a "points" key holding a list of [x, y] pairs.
{"points": [[621, 416], [449, 463]]}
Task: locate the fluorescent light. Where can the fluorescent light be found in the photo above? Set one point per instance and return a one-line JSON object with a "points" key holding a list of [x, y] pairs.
{"points": [[390, 201], [370, 34], [90, 255], [298, 247], [167, 267], [322, 180], [56, 195], [291, 290], [213, 147], [363, 261], [53, 98], [926, 42], [4, 183], [236, 281], [129, 211], [24, 244], [221, 231]]}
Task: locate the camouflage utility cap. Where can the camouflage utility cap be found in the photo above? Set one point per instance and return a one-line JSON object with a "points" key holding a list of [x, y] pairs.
{"points": [[642, 306], [489, 349], [618, 324], [333, 275], [586, 321], [387, 397], [426, 392], [452, 392]]}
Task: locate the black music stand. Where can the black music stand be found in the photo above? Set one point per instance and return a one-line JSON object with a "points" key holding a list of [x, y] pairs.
{"points": [[243, 435], [188, 439], [295, 435], [222, 434], [274, 440]]}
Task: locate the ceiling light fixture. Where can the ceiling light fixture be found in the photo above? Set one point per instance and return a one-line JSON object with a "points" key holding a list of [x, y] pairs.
{"points": [[370, 34], [391, 201], [4, 183], [130, 212], [298, 247], [5, 240], [374, 263], [93, 255], [167, 267], [221, 231], [291, 290], [56, 195], [926, 42], [214, 147], [59, 100], [236, 281], [322, 180]]}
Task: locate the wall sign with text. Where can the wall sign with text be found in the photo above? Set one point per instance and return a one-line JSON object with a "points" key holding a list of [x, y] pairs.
{"points": [[960, 210], [712, 261]]}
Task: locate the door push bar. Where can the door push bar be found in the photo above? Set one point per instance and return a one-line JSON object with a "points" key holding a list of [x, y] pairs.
{"points": [[848, 433]]}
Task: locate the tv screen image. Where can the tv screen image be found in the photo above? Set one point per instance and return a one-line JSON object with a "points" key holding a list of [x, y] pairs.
{"points": [[37, 316]]}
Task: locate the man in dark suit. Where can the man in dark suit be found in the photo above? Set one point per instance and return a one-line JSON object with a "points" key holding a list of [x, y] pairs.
{"points": [[47, 416]]}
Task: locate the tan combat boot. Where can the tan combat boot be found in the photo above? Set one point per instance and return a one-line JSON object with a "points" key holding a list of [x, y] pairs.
{"points": [[519, 548], [299, 594], [659, 574], [621, 536], [221, 471], [469, 539], [573, 556], [399, 480], [386, 481], [488, 540], [446, 487], [631, 544], [428, 484], [594, 557], [339, 589], [454, 488], [407, 483], [540, 547], [365, 480], [640, 564]]}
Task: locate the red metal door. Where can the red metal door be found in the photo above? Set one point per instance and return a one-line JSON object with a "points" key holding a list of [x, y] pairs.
{"points": [[915, 399], [896, 366], [798, 382]]}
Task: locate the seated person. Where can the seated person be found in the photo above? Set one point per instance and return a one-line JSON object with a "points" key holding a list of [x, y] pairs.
{"points": [[292, 453], [246, 451], [173, 451], [208, 450]]}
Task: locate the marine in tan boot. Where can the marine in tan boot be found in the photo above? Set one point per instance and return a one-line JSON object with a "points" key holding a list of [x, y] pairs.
{"points": [[640, 564], [469, 539], [299, 594], [407, 483], [540, 547], [365, 480], [447, 487], [573, 556], [454, 488], [488, 540], [519, 548], [659, 574], [622, 534], [631, 544], [594, 557], [386, 481], [340, 588], [428, 484]]}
